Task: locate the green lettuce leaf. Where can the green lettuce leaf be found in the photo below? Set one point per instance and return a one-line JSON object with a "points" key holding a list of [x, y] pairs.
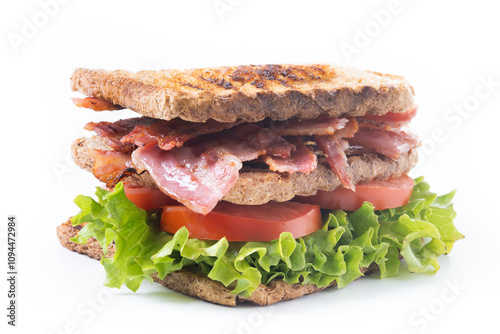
{"points": [[419, 231]]}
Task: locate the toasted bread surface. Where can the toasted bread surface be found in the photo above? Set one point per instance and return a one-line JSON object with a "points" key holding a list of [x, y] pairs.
{"points": [[259, 186], [195, 284], [250, 92]]}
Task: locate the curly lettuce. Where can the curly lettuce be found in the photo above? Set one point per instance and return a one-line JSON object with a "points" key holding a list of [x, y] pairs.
{"points": [[420, 232]]}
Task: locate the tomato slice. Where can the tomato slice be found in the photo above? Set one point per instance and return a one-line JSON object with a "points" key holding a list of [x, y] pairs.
{"points": [[382, 194], [393, 119], [147, 197], [244, 222]]}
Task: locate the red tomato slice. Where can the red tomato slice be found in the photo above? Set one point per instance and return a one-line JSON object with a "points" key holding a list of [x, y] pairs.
{"points": [[382, 194], [393, 119], [147, 197], [244, 222]]}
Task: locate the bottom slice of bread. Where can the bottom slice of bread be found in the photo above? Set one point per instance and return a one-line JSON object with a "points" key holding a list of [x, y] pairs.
{"points": [[195, 284]]}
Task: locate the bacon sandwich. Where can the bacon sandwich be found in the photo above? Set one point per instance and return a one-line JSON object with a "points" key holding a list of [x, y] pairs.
{"points": [[254, 183]]}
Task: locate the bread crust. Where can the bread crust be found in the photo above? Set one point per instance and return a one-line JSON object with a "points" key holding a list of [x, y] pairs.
{"points": [[197, 284], [249, 92], [259, 186]]}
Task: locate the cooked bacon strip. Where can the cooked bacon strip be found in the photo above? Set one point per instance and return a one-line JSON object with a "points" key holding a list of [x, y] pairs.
{"points": [[174, 133], [197, 181], [197, 175], [143, 131], [334, 153], [95, 104], [264, 139], [390, 142], [201, 174], [110, 166], [302, 160], [310, 127], [243, 149], [395, 120], [112, 132], [334, 146]]}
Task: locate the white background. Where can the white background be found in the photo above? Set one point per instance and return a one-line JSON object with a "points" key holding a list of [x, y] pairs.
{"points": [[446, 50]]}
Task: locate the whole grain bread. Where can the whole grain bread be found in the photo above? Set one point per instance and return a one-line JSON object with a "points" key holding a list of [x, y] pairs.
{"points": [[250, 93], [259, 186], [196, 284]]}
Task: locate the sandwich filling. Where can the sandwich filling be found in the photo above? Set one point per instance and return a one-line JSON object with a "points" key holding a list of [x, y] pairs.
{"points": [[197, 163]]}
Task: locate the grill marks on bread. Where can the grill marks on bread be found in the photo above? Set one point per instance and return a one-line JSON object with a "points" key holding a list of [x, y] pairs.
{"points": [[249, 93]]}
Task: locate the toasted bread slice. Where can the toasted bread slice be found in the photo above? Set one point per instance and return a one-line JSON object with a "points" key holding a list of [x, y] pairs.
{"points": [[259, 186], [195, 284], [250, 93]]}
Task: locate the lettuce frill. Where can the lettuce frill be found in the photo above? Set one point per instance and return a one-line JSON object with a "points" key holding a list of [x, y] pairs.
{"points": [[420, 231]]}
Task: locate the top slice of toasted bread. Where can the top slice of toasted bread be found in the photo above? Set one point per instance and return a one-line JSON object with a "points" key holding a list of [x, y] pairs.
{"points": [[249, 92]]}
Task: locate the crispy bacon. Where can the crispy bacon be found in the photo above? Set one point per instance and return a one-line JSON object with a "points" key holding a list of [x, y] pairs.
{"points": [[264, 139], [334, 146], [197, 175], [95, 104], [242, 148], [200, 174], [174, 133], [124, 134], [387, 141], [302, 160], [334, 153], [111, 167], [310, 127], [197, 181], [113, 132]]}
